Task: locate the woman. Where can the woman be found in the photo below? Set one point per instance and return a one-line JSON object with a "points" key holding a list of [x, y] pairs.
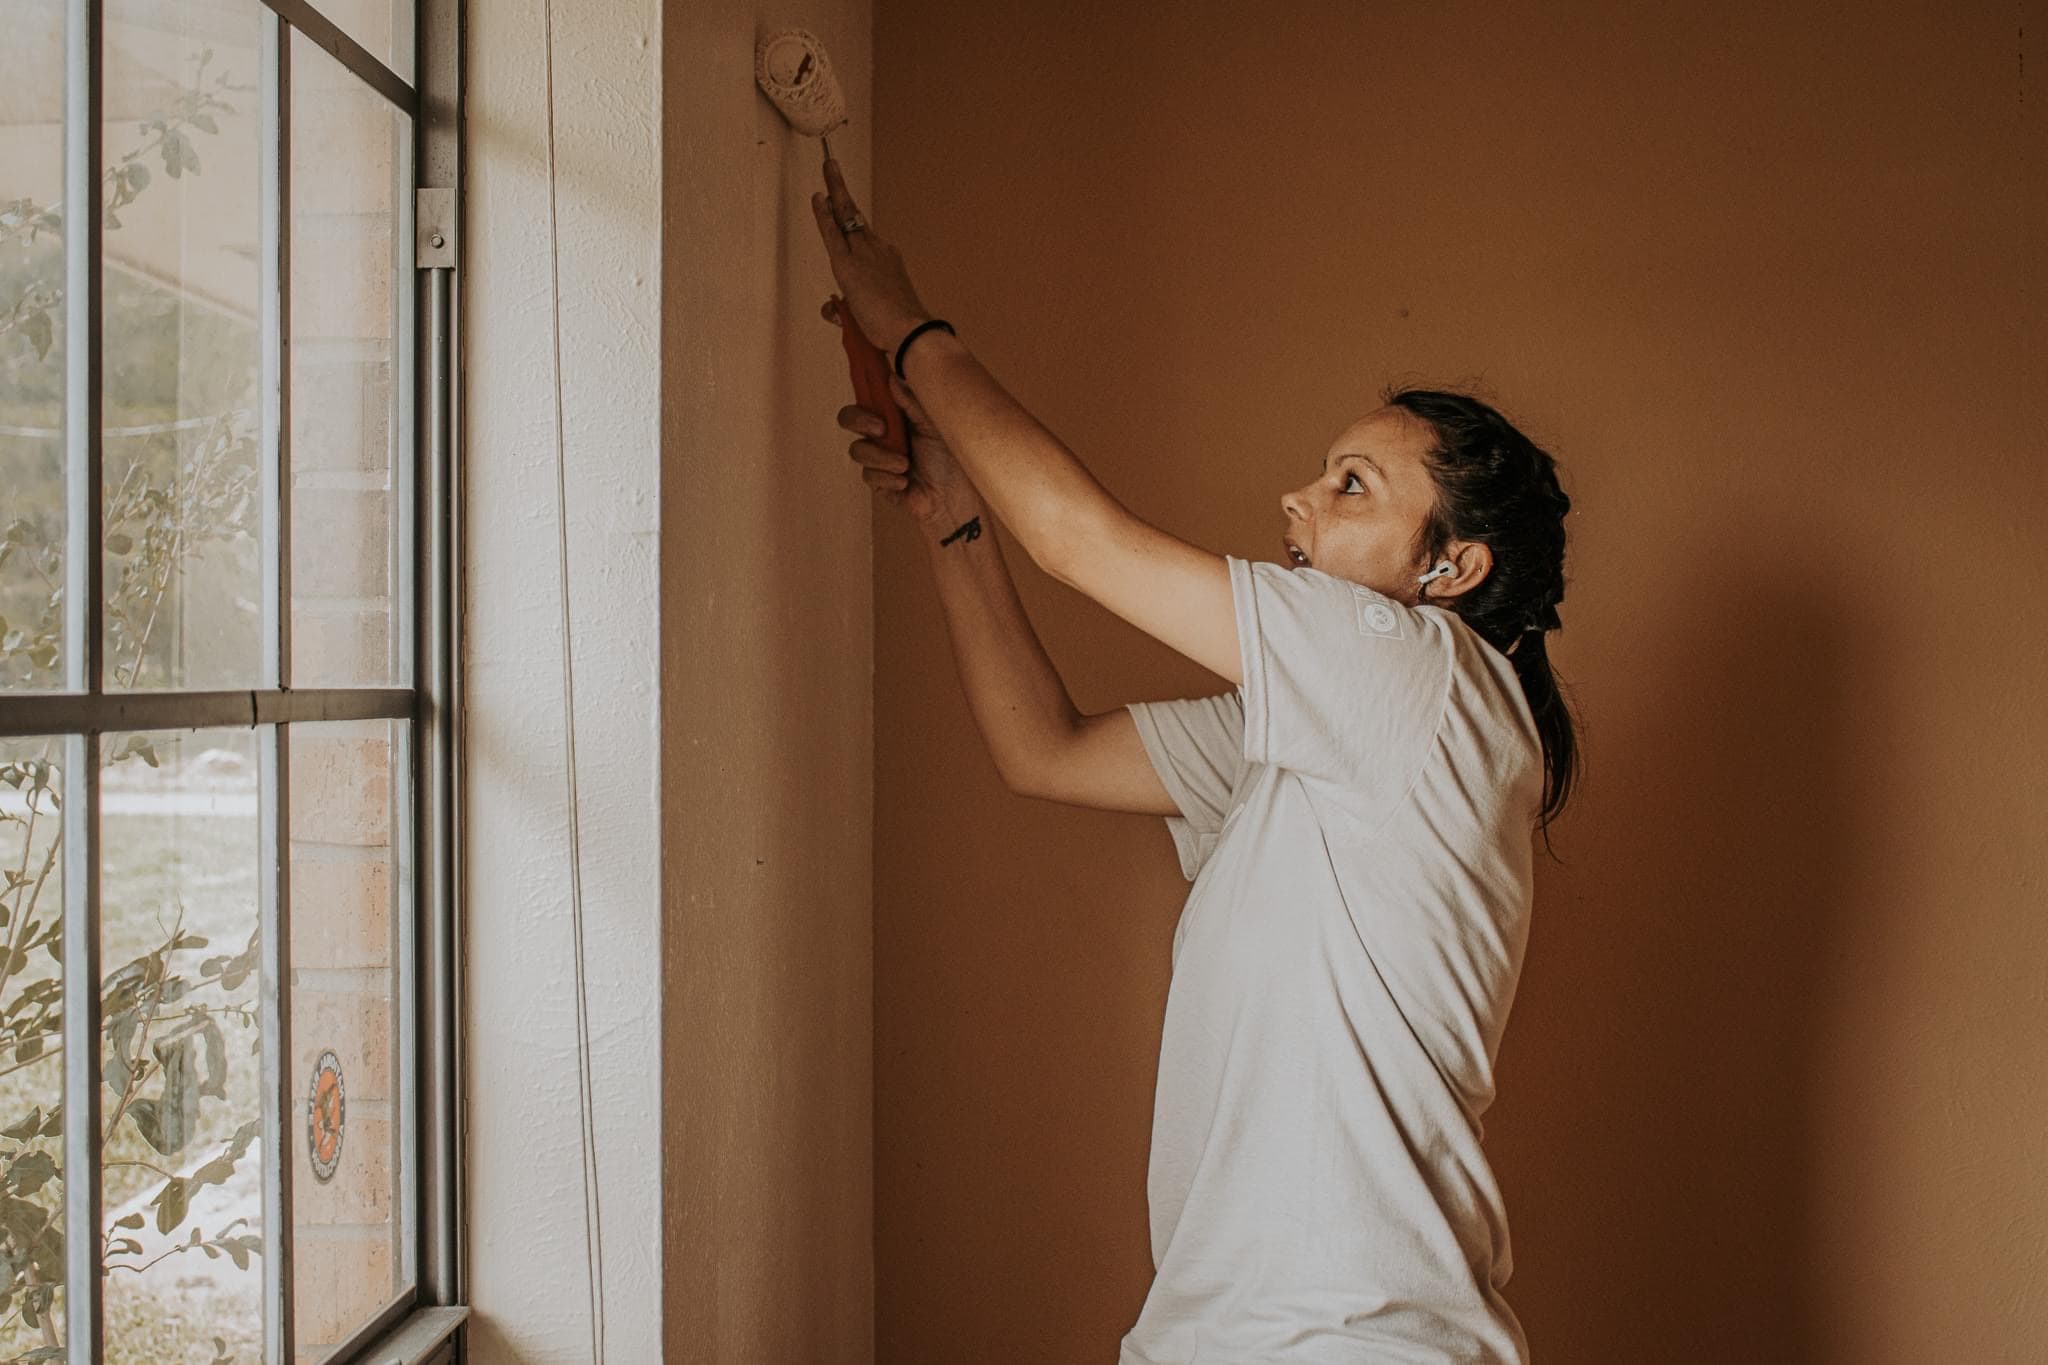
{"points": [[1356, 818]]}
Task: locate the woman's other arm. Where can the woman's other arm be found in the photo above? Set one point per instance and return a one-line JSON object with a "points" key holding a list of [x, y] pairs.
{"points": [[1041, 745]]}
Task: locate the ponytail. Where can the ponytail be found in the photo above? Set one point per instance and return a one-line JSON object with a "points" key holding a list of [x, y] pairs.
{"points": [[1496, 486]]}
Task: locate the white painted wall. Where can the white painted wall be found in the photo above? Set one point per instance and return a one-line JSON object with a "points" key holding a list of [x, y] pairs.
{"points": [[526, 1207]]}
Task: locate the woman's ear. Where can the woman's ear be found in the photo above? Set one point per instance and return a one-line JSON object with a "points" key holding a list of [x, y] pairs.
{"points": [[1470, 560]]}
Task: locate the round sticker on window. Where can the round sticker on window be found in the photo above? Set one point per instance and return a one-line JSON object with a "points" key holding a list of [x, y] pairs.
{"points": [[326, 1109]]}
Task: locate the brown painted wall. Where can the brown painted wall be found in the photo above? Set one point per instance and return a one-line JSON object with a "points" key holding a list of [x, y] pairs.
{"points": [[1766, 283], [766, 723]]}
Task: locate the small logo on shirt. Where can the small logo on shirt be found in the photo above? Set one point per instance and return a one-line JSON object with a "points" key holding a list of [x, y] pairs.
{"points": [[1376, 616]]}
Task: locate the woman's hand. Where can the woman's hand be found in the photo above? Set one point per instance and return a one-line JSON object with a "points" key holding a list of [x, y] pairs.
{"points": [[868, 270], [927, 483]]}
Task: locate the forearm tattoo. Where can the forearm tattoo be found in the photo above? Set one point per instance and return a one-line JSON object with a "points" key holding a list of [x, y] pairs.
{"points": [[971, 528]]}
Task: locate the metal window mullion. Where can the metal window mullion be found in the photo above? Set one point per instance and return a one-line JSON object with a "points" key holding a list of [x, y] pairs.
{"points": [[83, 1308], [405, 774], [436, 739], [274, 194], [84, 663], [273, 755], [56, 713], [273, 767], [403, 457], [440, 1107], [83, 620]]}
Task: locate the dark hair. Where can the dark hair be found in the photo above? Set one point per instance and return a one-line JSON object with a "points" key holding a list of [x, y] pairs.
{"points": [[1496, 486]]}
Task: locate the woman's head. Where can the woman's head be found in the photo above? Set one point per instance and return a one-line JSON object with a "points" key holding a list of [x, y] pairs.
{"points": [[1438, 478]]}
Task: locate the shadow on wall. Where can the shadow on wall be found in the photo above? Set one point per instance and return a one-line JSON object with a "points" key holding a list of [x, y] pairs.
{"points": [[1675, 1168]]}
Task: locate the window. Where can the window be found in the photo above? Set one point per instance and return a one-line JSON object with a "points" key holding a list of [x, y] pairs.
{"points": [[228, 1065]]}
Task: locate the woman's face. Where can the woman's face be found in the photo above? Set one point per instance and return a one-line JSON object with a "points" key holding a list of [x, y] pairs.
{"points": [[1359, 518]]}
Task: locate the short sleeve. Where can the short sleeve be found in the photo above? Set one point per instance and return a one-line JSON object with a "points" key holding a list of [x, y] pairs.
{"points": [[1196, 745], [1341, 683]]}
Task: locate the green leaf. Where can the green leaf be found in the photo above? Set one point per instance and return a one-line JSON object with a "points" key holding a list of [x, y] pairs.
{"points": [[216, 1043], [245, 1135], [119, 543], [143, 1113], [237, 970], [26, 1129], [25, 1222], [179, 1102], [204, 123], [32, 1171], [115, 1067], [138, 177], [171, 1203], [133, 1220], [36, 327]]}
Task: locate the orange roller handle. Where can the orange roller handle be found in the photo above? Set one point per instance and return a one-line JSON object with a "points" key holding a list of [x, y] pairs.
{"points": [[870, 370]]}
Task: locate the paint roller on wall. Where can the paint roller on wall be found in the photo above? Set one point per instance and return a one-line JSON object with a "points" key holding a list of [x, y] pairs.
{"points": [[793, 71]]}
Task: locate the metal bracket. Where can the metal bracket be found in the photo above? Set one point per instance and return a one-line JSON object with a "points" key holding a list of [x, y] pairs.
{"points": [[434, 221]]}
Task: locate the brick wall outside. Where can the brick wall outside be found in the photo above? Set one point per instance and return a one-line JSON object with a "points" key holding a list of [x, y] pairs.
{"points": [[344, 919], [344, 270], [345, 266]]}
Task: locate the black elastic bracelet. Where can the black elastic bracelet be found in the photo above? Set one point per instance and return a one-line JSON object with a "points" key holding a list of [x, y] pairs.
{"points": [[915, 333]]}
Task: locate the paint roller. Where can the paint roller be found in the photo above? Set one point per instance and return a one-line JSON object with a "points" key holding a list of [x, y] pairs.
{"points": [[793, 71]]}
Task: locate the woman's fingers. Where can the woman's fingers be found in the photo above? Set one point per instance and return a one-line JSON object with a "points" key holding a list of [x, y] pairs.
{"points": [[884, 482], [843, 206], [828, 228], [875, 457]]}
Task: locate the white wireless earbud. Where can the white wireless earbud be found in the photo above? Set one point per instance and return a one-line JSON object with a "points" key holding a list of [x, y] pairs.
{"points": [[1438, 572]]}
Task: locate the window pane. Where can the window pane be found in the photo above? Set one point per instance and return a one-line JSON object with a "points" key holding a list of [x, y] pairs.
{"points": [[347, 859], [33, 520], [383, 27], [31, 1042], [347, 161], [180, 1051], [182, 310]]}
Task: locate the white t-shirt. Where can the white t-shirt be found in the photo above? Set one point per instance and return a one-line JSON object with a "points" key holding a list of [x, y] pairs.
{"points": [[1356, 820]]}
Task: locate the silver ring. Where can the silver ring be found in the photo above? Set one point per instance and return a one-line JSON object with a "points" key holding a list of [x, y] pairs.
{"points": [[853, 225]]}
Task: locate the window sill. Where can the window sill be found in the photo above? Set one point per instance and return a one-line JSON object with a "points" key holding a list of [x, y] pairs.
{"points": [[422, 1338]]}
